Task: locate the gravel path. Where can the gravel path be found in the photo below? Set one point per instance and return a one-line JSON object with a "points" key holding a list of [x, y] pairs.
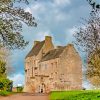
{"points": [[26, 96]]}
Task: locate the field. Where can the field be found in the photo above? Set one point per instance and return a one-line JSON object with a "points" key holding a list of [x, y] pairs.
{"points": [[76, 95]]}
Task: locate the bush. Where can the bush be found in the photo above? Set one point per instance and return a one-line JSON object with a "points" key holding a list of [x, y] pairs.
{"points": [[4, 93], [5, 84], [19, 89]]}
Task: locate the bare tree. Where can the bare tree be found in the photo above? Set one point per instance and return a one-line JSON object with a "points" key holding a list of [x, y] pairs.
{"points": [[88, 38], [94, 5]]}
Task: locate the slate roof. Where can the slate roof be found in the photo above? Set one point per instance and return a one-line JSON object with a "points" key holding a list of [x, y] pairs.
{"points": [[35, 50], [52, 54]]}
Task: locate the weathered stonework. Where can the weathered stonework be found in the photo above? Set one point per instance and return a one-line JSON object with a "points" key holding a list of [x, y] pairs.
{"points": [[49, 69]]}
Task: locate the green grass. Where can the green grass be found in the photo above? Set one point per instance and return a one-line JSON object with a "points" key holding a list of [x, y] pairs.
{"points": [[76, 95], [5, 93]]}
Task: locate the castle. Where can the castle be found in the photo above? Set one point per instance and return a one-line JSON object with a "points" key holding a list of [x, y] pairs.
{"points": [[52, 69]]}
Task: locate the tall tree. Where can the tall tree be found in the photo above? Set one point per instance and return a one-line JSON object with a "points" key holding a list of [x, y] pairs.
{"points": [[88, 38], [11, 19]]}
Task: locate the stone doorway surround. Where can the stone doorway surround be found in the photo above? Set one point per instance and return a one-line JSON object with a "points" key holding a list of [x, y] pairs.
{"points": [[42, 88]]}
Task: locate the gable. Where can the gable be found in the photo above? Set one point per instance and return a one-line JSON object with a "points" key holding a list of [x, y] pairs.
{"points": [[35, 50]]}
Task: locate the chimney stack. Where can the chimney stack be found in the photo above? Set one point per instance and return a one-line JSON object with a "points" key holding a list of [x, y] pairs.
{"points": [[48, 38], [35, 42], [58, 47]]}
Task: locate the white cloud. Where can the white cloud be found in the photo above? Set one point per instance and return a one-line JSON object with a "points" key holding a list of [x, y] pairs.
{"points": [[28, 10], [41, 35], [70, 34], [72, 30], [62, 2], [17, 79], [59, 17], [50, 11], [87, 85], [36, 9]]}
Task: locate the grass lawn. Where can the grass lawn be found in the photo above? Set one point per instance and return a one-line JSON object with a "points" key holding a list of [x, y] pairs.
{"points": [[76, 95]]}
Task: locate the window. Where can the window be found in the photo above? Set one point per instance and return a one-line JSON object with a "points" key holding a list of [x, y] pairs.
{"points": [[56, 64], [35, 68], [34, 62], [26, 70], [52, 66], [46, 66], [39, 67], [32, 71]]}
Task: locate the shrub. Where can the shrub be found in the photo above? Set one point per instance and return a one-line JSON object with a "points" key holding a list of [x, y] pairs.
{"points": [[19, 89], [5, 84], [4, 93]]}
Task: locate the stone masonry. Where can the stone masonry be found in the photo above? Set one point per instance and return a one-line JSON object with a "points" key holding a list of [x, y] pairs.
{"points": [[52, 69]]}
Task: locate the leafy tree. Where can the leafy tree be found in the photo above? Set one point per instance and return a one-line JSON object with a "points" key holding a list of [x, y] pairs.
{"points": [[5, 83], [88, 38], [11, 19], [94, 5], [2, 69]]}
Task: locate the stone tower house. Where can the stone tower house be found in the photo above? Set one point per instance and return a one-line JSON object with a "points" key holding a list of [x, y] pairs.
{"points": [[52, 69]]}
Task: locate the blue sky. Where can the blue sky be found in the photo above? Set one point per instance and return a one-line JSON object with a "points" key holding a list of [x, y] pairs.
{"points": [[57, 18]]}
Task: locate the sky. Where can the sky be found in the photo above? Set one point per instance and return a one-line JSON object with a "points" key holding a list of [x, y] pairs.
{"points": [[57, 18]]}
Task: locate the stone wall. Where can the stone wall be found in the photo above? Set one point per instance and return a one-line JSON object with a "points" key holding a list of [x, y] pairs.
{"points": [[70, 68]]}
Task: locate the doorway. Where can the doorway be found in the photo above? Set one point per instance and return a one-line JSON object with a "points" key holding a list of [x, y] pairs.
{"points": [[42, 88]]}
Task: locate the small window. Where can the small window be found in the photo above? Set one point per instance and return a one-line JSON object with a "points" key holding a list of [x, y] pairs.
{"points": [[55, 72], [34, 62], [25, 70], [56, 64], [35, 68], [52, 65]]}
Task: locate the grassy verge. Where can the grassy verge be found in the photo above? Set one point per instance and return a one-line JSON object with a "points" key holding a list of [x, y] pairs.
{"points": [[76, 95], [6, 93]]}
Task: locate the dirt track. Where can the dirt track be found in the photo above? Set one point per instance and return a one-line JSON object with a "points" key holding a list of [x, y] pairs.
{"points": [[26, 96]]}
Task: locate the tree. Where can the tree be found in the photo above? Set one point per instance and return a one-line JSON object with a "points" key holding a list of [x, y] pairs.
{"points": [[88, 38], [11, 19], [5, 56], [93, 71], [2, 69], [94, 5], [5, 84]]}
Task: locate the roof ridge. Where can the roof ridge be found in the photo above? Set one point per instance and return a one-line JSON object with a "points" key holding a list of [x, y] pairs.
{"points": [[52, 54]]}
